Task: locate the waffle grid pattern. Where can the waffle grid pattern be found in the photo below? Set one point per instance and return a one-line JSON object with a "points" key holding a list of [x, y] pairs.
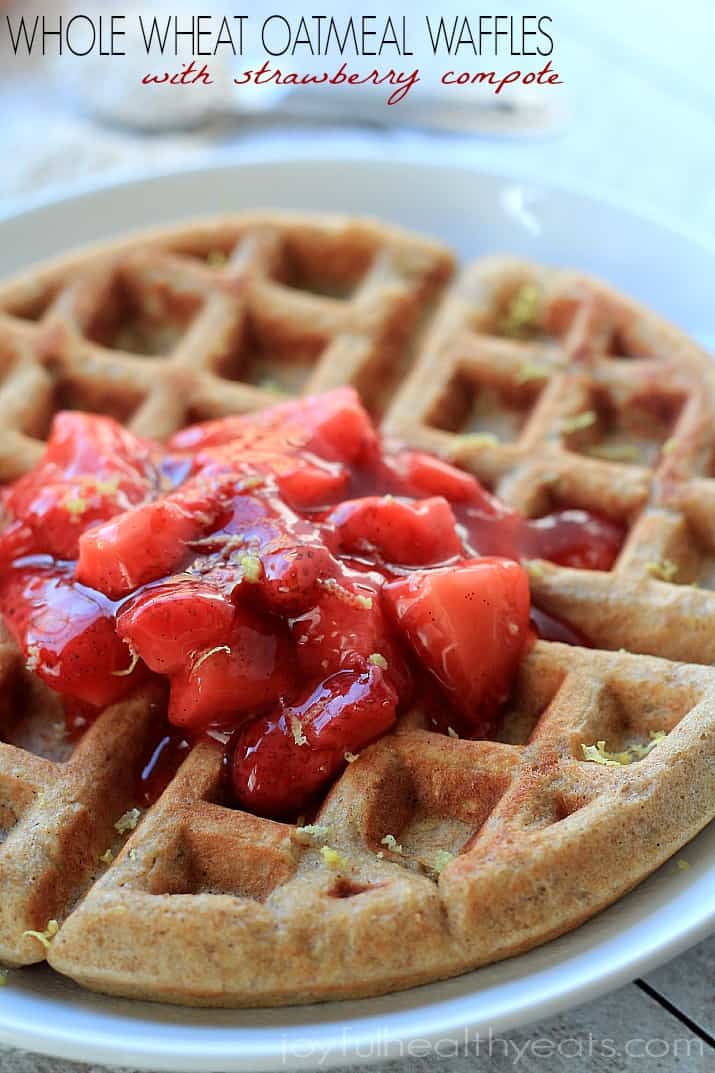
{"points": [[203, 904], [615, 416], [225, 318]]}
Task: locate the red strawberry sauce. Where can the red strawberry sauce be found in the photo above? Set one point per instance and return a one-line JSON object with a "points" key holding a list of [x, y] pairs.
{"points": [[296, 580]]}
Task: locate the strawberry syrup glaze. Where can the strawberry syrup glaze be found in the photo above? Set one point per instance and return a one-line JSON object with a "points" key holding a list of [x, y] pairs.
{"points": [[296, 580]]}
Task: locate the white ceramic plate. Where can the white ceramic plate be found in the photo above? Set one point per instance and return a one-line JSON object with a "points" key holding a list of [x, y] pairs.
{"points": [[673, 909]]}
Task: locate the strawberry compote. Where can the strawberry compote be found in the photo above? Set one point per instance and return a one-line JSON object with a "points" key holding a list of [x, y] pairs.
{"points": [[296, 580]]}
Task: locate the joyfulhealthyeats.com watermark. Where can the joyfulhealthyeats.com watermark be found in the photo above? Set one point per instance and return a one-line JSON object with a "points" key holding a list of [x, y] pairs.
{"points": [[515, 1050]]}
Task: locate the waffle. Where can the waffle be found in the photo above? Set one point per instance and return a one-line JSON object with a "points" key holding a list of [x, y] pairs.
{"points": [[468, 851]]}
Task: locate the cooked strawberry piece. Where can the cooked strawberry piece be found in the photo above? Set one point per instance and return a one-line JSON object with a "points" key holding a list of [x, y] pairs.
{"points": [[489, 533], [281, 761], [67, 635], [281, 458], [269, 566], [147, 543], [570, 537], [58, 512], [266, 524], [168, 623], [267, 550], [398, 531], [414, 473], [248, 671], [468, 625], [345, 624], [346, 621], [135, 548], [333, 426], [87, 443], [93, 469], [341, 424], [305, 482], [315, 484], [573, 538], [290, 580], [16, 541], [250, 430], [345, 628]]}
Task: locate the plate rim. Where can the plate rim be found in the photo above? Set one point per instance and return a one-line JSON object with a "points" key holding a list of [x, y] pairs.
{"points": [[227, 160], [265, 1053], [447, 1014]]}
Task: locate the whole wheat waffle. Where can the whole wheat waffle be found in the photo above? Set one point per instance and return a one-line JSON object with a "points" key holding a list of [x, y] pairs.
{"points": [[431, 855]]}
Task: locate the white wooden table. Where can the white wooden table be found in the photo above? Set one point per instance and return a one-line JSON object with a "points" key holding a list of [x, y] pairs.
{"points": [[640, 129]]}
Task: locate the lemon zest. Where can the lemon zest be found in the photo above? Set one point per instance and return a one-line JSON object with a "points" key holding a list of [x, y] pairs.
{"points": [[522, 311], [226, 541], [616, 452], [252, 568], [216, 259], [296, 729], [45, 937], [33, 657], [130, 669], [531, 370], [75, 506], [128, 821], [332, 858], [351, 599], [466, 440], [598, 754], [93, 485], [682, 864], [108, 488], [310, 832], [207, 655], [378, 660], [664, 570], [578, 422], [392, 844], [107, 857], [267, 383], [440, 860]]}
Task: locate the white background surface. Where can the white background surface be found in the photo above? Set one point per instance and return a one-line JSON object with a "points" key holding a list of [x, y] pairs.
{"points": [[637, 113]]}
